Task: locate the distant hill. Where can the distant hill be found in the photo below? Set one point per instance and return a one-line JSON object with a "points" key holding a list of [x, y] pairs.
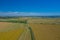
{"points": [[30, 16]]}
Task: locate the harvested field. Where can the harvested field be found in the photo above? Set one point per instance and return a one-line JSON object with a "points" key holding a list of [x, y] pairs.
{"points": [[8, 25], [46, 32]]}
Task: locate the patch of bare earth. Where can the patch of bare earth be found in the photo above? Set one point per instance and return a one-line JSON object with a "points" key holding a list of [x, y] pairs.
{"points": [[4, 25]]}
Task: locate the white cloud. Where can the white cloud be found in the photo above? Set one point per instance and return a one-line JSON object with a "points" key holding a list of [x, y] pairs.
{"points": [[10, 13]]}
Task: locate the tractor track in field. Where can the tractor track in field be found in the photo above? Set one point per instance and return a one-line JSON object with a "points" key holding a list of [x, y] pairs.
{"points": [[27, 35], [22, 36]]}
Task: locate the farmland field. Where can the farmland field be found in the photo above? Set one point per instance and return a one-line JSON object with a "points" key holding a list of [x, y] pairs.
{"points": [[11, 31], [30, 29], [46, 29]]}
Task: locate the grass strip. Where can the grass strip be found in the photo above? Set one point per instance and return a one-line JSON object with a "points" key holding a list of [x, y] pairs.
{"points": [[32, 34]]}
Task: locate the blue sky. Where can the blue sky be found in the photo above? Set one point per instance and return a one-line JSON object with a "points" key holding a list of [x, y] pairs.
{"points": [[29, 7]]}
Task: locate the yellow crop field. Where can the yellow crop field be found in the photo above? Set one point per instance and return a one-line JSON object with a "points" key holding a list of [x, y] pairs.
{"points": [[11, 31], [11, 35]]}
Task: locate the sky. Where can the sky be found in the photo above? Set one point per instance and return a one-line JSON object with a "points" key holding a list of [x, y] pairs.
{"points": [[29, 7]]}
